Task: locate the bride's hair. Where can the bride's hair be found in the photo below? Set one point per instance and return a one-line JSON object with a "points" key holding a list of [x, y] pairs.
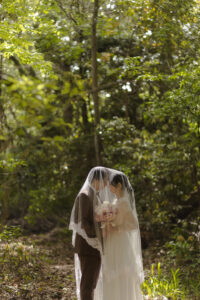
{"points": [[121, 178]]}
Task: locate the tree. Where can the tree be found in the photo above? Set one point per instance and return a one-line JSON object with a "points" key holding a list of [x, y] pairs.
{"points": [[95, 79]]}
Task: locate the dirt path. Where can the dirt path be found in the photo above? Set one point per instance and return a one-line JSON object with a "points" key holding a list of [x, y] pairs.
{"points": [[38, 267]]}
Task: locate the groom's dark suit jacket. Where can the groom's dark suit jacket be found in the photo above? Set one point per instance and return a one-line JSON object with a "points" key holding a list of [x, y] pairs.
{"points": [[84, 205]]}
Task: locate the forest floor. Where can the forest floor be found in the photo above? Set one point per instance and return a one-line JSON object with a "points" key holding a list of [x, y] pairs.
{"points": [[37, 267]]}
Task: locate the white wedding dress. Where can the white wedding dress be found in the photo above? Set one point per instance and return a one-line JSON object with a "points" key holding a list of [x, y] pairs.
{"points": [[120, 278]]}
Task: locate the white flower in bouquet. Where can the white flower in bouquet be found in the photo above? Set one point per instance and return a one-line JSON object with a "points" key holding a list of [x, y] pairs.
{"points": [[105, 213]]}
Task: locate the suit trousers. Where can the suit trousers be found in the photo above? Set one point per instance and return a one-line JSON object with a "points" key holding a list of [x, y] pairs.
{"points": [[90, 268]]}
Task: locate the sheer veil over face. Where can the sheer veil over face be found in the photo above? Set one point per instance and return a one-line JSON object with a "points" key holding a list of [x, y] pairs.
{"points": [[107, 188]]}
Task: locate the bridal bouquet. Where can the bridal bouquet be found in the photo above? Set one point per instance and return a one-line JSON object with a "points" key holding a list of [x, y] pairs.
{"points": [[105, 213]]}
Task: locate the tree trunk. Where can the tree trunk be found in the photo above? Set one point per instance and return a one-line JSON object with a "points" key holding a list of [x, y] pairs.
{"points": [[1, 77], [95, 81], [4, 216]]}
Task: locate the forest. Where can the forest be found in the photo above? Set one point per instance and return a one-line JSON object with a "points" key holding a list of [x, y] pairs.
{"points": [[84, 83]]}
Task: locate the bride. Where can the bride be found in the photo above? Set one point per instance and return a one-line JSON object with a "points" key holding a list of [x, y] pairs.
{"points": [[122, 259]]}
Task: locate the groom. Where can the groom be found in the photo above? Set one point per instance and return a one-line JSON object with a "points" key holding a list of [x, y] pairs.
{"points": [[90, 259]]}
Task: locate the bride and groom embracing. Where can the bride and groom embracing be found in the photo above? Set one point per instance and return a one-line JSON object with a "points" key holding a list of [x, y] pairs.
{"points": [[106, 238]]}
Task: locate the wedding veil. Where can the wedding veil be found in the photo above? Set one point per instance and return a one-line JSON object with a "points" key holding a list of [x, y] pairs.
{"points": [[98, 189]]}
